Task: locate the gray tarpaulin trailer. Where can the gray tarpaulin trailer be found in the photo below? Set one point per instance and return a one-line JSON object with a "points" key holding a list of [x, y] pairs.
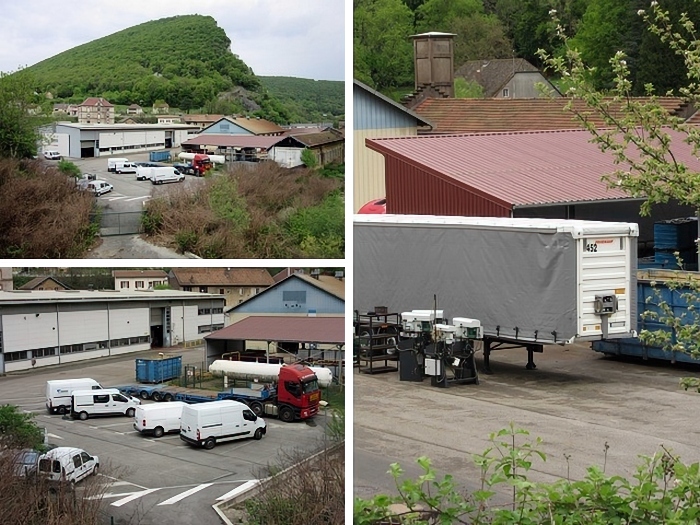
{"points": [[531, 282]]}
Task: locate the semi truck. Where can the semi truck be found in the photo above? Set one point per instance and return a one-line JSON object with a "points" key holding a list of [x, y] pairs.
{"points": [[198, 164], [530, 282], [294, 393]]}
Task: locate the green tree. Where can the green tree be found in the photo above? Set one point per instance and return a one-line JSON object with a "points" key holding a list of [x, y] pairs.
{"points": [[438, 15], [471, 89], [18, 430], [309, 159], [383, 55], [478, 37], [18, 130]]}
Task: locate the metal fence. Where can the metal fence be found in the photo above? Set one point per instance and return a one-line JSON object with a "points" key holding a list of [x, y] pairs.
{"points": [[121, 223]]}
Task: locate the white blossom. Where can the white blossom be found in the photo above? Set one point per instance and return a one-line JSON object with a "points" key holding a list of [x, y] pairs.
{"points": [[641, 12], [552, 12]]}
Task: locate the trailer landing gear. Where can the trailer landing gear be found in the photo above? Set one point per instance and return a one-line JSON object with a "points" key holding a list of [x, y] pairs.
{"points": [[499, 344]]}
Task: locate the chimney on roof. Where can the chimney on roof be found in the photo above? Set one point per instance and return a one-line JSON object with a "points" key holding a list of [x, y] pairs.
{"points": [[339, 275], [433, 62], [315, 273]]}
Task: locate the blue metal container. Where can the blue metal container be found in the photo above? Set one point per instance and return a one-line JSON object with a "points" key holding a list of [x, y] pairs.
{"points": [[159, 156], [158, 370]]}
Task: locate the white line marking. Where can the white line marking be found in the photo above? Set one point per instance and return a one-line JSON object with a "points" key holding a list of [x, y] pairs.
{"points": [[54, 436], [116, 198], [239, 489], [134, 496], [109, 495], [138, 198], [183, 495]]}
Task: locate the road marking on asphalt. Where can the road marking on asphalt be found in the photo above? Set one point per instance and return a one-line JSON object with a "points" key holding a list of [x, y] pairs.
{"points": [[115, 198], [242, 488], [110, 495], [138, 198], [54, 436], [183, 495], [132, 497]]}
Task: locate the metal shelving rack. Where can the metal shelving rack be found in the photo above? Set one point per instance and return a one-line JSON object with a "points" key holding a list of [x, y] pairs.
{"points": [[376, 338]]}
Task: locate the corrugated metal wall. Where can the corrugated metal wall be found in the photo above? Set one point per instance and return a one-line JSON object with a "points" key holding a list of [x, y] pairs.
{"points": [[413, 190], [374, 118]]}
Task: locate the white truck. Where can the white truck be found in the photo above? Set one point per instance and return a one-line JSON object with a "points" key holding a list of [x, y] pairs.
{"points": [[530, 282], [59, 392], [116, 162], [206, 424]]}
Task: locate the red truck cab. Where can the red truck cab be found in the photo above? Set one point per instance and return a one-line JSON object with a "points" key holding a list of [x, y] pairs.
{"points": [[298, 387]]}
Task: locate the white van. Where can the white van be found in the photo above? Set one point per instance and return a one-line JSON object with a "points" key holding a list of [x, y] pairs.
{"points": [[67, 464], [105, 402], [112, 164], [99, 187], [206, 424], [126, 167], [165, 175], [52, 155], [159, 418], [59, 392]]}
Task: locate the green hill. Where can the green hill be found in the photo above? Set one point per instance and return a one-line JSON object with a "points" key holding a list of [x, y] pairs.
{"points": [[184, 60], [308, 100]]}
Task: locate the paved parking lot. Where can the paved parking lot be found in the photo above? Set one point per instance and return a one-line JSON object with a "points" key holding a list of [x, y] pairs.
{"points": [[577, 401], [159, 480]]}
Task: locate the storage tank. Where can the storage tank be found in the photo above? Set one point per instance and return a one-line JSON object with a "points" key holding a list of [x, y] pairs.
{"points": [[186, 156], [263, 371]]}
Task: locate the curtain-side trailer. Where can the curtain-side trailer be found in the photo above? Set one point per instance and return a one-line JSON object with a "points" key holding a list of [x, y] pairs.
{"points": [[530, 282]]}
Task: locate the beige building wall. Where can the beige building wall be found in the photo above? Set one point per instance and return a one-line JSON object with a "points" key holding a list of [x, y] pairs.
{"points": [[369, 165]]}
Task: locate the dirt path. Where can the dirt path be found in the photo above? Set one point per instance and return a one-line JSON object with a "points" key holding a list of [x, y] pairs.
{"points": [[131, 247]]}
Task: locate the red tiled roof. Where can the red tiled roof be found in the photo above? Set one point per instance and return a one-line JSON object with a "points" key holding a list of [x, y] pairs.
{"points": [[233, 141], [257, 125], [472, 115], [96, 101], [223, 276], [329, 330], [523, 168]]}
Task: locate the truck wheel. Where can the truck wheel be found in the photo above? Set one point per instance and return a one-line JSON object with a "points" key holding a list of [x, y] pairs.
{"points": [[61, 410], [258, 434], [286, 414], [257, 408], [83, 416], [144, 394], [210, 443], [156, 396], [158, 432], [168, 397], [130, 412]]}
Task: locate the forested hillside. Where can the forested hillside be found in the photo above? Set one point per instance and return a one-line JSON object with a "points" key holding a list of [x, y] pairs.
{"points": [[185, 61], [484, 29], [308, 100]]}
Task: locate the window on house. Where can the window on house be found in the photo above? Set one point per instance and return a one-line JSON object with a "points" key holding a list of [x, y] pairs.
{"points": [[506, 92], [139, 284], [202, 289], [186, 288], [294, 297], [221, 291], [124, 284]]}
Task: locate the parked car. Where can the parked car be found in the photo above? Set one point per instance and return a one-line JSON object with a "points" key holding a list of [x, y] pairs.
{"points": [[68, 464], [52, 155], [23, 462], [99, 187], [374, 206]]}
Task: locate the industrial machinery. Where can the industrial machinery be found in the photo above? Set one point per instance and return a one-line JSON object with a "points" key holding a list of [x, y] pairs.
{"points": [[433, 347]]}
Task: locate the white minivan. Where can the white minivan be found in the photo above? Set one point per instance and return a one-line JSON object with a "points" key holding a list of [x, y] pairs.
{"points": [[105, 402], [159, 418], [206, 424], [67, 464], [59, 392], [126, 167], [99, 187]]}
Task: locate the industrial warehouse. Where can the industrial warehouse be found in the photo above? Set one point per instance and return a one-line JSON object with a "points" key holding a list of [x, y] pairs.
{"points": [[41, 328]]}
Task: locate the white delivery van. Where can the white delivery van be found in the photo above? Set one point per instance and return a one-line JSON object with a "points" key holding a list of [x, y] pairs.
{"points": [[105, 402], [59, 392], [113, 164], [99, 187], [126, 167], [206, 424], [67, 464], [165, 175], [159, 418], [143, 172]]}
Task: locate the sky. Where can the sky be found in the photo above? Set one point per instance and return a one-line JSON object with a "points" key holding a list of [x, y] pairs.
{"points": [[296, 38]]}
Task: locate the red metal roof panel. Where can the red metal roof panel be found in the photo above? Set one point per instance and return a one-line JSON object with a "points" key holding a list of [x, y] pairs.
{"points": [[523, 168]]}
